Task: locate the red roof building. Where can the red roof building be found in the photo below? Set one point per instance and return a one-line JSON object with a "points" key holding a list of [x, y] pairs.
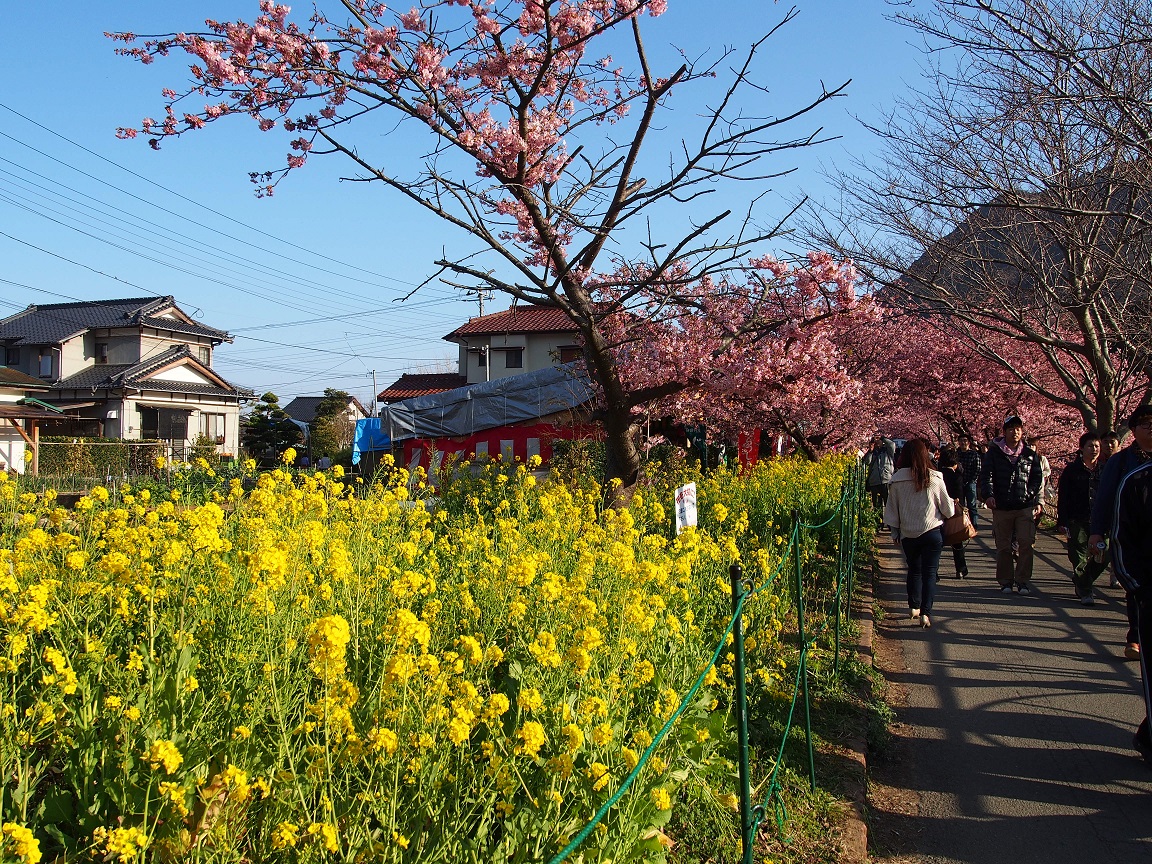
{"points": [[522, 339], [409, 386]]}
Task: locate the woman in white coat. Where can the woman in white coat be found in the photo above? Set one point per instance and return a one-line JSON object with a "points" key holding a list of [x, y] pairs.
{"points": [[918, 504]]}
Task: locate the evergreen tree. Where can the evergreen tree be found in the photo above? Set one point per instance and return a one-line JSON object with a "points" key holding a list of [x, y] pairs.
{"points": [[332, 429], [268, 431]]}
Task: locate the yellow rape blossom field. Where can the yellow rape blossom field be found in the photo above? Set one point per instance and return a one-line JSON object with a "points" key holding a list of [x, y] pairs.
{"points": [[297, 667]]}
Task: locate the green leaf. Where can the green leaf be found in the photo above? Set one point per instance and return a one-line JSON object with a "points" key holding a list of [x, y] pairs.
{"points": [[56, 807]]}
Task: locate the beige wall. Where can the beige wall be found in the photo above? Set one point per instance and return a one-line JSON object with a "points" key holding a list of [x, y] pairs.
{"points": [[541, 350]]}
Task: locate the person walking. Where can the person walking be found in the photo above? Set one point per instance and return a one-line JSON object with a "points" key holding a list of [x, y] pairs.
{"points": [[918, 504], [1074, 515], [880, 462], [1010, 482], [1104, 507], [954, 482], [1132, 556], [968, 458], [1109, 446], [1045, 470]]}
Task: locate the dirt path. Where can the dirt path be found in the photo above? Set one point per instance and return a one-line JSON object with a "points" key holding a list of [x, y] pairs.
{"points": [[1014, 722]]}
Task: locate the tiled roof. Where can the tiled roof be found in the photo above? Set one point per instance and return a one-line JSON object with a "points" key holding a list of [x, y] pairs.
{"points": [[303, 408], [518, 319], [114, 377], [15, 378], [409, 386], [52, 323]]}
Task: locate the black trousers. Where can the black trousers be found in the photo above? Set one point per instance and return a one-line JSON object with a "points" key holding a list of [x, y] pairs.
{"points": [[1144, 639]]}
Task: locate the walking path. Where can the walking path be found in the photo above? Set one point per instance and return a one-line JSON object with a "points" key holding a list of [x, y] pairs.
{"points": [[1020, 713]]}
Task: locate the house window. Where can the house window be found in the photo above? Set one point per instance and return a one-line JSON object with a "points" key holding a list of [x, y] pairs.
{"points": [[11, 356], [482, 358], [212, 427], [166, 424], [204, 354], [514, 358], [45, 364], [101, 352], [571, 353]]}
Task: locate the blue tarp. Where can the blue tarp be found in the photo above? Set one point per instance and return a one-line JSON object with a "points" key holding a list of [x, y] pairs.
{"points": [[370, 436], [476, 407]]}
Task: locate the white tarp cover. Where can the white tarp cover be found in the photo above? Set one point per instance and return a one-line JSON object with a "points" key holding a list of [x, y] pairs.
{"points": [[467, 410]]}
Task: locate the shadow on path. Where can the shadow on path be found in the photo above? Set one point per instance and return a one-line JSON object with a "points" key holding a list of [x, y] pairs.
{"points": [[1020, 711]]}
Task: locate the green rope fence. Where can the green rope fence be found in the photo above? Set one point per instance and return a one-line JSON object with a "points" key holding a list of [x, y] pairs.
{"points": [[847, 509]]}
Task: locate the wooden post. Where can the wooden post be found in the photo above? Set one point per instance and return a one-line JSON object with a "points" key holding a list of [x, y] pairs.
{"points": [[35, 449]]}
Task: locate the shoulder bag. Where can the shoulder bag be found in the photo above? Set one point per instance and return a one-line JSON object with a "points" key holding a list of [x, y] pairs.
{"points": [[958, 527]]}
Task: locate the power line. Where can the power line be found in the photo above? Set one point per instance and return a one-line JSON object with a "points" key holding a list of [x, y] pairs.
{"points": [[78, 264], [153, 245], [196, 203], [127, 214]]}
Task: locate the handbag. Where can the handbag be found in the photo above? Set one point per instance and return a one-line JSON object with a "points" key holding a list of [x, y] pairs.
{"points": [[958, 527]]}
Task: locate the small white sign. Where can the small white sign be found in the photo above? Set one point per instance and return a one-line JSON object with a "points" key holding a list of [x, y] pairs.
{"points": [[685, 507]]}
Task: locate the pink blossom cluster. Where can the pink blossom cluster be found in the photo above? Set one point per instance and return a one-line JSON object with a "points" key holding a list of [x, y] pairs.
{"points": [[504, 82]]}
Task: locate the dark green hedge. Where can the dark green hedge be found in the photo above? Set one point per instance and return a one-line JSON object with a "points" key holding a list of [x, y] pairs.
{"points": [[98, 457]]}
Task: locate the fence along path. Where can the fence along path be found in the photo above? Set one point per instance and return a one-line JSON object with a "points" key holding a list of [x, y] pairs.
{"points": [[847, 510]]}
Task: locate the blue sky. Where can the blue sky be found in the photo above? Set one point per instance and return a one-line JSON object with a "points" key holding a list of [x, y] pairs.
{"points": [[86, 216]]}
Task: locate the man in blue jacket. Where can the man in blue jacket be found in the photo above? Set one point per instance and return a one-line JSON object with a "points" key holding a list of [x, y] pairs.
{"points": [[1132, 554], [1104, 504]]}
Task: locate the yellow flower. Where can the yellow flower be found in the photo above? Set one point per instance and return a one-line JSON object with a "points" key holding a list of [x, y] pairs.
{"points": [[532, 738], [164, 754], [661, 798], [288, 457], [327, 639], [573, 737], [530, 700], [27, 846], [325, 834], [598, 773], [285, 835], [123, 844], [602, 735]]}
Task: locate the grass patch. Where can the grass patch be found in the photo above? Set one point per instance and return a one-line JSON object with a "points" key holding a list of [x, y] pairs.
{"points": [[845, 711]]}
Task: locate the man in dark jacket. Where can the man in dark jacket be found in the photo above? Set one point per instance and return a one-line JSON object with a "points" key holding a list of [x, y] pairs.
{"points": [[1132, 554], [1010, 483], [1074, 514], [968, 457], [1104, 505]]}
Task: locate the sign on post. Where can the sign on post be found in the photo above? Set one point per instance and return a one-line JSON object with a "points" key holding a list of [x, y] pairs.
{"points": [[685, 507]]}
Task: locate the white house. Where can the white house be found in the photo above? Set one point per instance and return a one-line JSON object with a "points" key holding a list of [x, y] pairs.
{"points": [[138, 368], [522, 339]]}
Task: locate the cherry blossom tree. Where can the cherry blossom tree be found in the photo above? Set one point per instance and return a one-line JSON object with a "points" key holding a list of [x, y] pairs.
{"points": [[541, 154], [1013, 197], [702, 363]]}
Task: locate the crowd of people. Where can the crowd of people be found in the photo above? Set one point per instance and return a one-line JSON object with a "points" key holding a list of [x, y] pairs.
{"points": [[1103, 508]]}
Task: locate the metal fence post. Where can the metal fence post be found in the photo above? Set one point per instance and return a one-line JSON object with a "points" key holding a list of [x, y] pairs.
{"points": [[736, 575], [803, 651]]}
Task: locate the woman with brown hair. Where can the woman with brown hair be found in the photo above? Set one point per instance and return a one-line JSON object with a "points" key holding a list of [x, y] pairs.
{"points": [[918, 504]]}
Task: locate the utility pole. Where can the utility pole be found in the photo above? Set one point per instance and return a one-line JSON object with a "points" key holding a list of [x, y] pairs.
{"points": [[481, 294], [375, 392]]}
